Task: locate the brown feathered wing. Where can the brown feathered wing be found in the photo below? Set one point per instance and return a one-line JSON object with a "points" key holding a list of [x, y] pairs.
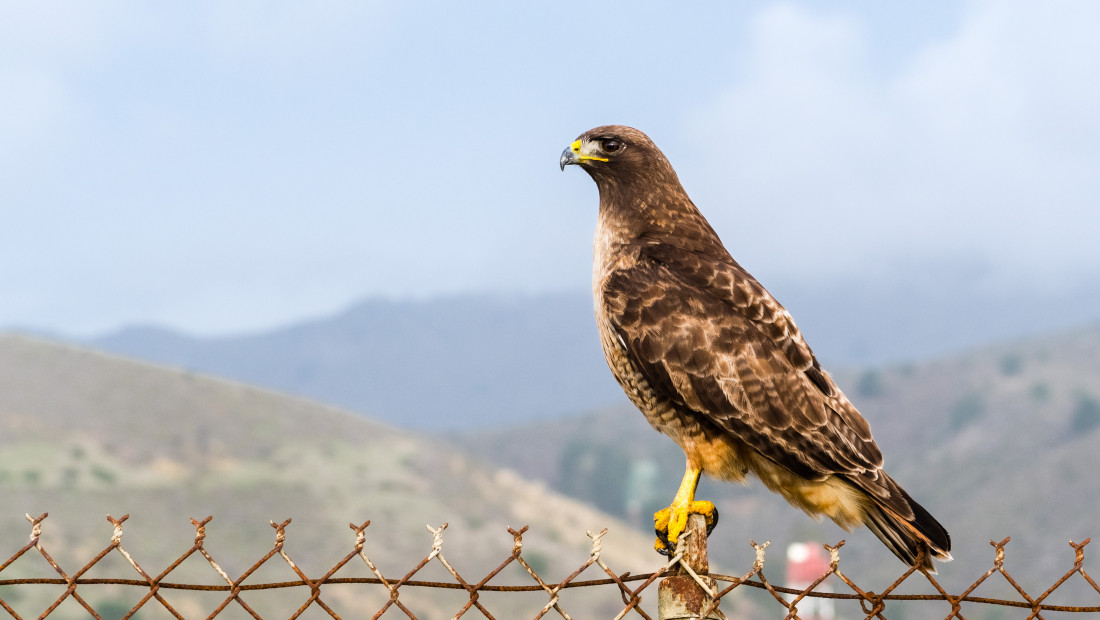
{"points": [[708, 337]]}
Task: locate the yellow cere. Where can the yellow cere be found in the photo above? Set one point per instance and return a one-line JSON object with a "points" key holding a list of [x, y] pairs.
{"points": [[576, 147]]}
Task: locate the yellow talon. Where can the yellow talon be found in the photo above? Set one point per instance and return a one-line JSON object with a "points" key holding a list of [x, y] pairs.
{"points": [[671, 522]]}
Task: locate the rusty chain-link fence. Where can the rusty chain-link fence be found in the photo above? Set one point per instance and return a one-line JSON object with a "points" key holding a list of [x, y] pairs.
{"points": [[79, 591]]}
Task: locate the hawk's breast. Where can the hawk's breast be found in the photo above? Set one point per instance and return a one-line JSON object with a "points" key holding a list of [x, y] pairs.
{"points": [[711, 448]]}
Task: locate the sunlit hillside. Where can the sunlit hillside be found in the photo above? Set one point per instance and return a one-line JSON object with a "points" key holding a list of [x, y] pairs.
{"points": [[84, 435]]}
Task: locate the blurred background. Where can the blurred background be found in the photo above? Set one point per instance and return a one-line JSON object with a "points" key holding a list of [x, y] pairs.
{"points": [[359, 204]]}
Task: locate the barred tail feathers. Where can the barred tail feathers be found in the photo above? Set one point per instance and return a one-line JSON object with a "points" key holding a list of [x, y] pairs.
{"points": [[909, 539]]}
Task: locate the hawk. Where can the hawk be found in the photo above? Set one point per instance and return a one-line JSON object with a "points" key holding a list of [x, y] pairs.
{"points": [[716, 363]]}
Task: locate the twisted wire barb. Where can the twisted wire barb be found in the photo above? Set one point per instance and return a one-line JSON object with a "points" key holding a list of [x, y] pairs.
{"points": [[154, 586], [471, 589], [631, 598], [551, 590]]}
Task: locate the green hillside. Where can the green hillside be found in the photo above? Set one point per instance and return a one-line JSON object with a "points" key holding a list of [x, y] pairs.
{"points": [[84, 435]]}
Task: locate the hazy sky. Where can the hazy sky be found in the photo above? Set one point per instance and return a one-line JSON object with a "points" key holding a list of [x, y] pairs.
{"points": [[222, 166]]}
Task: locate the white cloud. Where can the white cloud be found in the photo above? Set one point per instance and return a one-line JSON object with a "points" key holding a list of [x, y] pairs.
{"points": [[984, 143], [62, 57]]}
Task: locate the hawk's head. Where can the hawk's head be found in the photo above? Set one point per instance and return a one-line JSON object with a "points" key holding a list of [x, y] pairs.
{"points": [[616, 152]]}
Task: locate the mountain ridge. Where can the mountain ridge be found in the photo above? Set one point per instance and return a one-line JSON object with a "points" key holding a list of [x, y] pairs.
{"points": [[484, 359]]}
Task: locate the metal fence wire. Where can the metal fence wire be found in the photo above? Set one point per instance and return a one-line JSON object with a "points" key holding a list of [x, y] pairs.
{"points": [[400, 596]]}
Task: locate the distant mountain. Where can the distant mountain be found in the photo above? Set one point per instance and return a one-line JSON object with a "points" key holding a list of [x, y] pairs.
{"points": [[1001, 441], [909, 312], [482, 360], [83, 435], [448, 363]]}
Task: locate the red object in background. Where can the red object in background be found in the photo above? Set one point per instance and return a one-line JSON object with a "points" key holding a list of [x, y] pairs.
{"points": [[806, 562]]}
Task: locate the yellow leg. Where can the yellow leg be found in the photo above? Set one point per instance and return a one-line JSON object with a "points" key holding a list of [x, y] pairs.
{"points": [[672, 521]]}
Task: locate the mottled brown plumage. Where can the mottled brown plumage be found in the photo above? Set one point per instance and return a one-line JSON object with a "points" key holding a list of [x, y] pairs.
{"points": [[718, 365]]}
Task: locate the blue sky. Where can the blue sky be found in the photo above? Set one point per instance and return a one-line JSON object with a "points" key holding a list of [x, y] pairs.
{"points": [[220, 167]]}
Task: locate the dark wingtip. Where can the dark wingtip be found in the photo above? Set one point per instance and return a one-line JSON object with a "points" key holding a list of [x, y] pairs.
{"points": [[915, 542]]}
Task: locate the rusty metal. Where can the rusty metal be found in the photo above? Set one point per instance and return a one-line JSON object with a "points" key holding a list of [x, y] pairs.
{"points": [[685, 573], [689, 589]]}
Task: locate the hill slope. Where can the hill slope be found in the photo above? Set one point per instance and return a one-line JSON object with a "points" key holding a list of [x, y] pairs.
{"points": [[83, 435]]}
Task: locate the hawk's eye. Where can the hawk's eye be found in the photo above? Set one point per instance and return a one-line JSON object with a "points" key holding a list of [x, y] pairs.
{"points": [[610, 145]]}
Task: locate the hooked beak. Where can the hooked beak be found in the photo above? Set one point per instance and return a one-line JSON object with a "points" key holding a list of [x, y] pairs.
{"points": [[569, 155]]}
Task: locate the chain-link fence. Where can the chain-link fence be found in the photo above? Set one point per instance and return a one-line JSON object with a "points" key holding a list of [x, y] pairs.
{"points": [[195, 585]]}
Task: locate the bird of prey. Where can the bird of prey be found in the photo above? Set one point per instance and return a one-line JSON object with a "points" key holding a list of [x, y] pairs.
{"points": [[718, 365]]}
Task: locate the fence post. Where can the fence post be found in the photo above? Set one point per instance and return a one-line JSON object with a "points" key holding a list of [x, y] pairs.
{"points": [[680, 596]]}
